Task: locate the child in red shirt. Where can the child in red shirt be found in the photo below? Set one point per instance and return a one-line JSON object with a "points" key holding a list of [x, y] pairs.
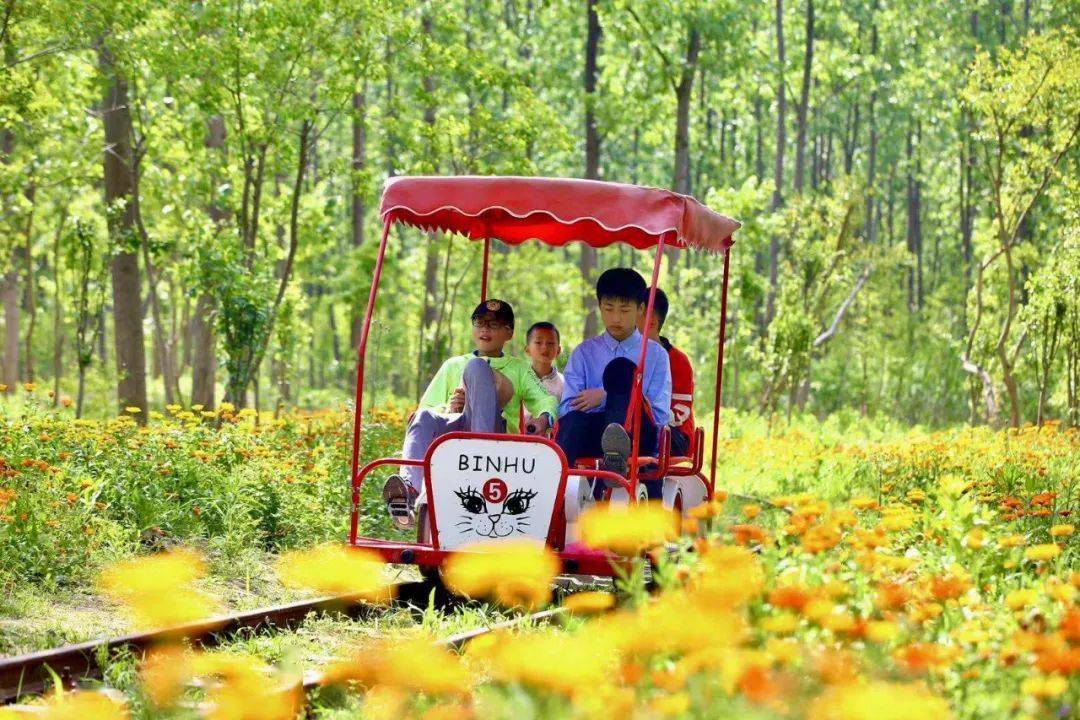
{"points": [[682, 380]]}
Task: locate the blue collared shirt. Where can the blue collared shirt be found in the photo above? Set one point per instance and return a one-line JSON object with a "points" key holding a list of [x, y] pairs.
{"points": [[585, 370]]}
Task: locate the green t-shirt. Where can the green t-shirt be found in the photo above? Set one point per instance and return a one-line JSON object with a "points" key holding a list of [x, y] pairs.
{"points": [[527, 388]]}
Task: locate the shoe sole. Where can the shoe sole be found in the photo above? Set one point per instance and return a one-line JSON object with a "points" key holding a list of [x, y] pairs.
{"points": [[396, 498], [616, 444]]}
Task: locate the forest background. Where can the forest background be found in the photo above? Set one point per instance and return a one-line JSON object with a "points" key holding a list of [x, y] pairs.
{"points": [[189, 193]]}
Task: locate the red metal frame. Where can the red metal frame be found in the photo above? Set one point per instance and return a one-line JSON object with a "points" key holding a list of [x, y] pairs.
{"points": [[484, 275], [719, 372], [575, 561]]}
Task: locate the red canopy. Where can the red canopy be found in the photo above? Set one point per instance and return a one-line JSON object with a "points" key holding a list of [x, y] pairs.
{"points": [[555, 211]]}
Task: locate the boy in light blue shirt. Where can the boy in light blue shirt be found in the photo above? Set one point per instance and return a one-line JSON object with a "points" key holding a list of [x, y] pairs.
{"points": [[599, 378]]}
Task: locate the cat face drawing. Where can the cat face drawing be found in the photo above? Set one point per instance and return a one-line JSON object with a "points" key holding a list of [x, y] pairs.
{"points": [[493, 511]]}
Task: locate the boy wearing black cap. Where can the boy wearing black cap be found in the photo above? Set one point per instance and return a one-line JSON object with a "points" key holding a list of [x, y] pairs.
{"points": [[599, 378], [476, 392]]}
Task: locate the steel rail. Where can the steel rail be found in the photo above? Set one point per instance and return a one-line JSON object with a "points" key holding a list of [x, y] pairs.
{"points": [[35, 673]]}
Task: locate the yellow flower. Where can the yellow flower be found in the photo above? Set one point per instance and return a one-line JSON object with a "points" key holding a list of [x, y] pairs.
{"points": [[706, 510], [513, 573], [975, 539], [385, 703], [247, 689], [782, 624], [589, 603], [1062, 530], [413, 665], [878, 701], [627, 530], [1062, 592], [336, 569], [882, 631], [158, 590], [1012, 541], [670, 705], [729, 576], [83, 705], [1049, 551], [566, 664], [1044, 686], [132, 410], [163, 674], [896, 518], [29, 387], [863, 503], [1017, 599], [751, 511]]}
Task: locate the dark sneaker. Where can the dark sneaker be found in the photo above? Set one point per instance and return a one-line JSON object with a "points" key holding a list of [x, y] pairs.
{"points": [[400, 499], [616, 445]]}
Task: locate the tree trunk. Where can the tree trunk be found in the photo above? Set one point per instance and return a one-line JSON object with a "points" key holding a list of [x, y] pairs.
{"points": [[203, 337], [120, 211], [871, 165], [58, 316], [778, 173], [9, 286], [204, 355], [427, 355], [592, 158], [683, 95], [359, 165], [804, 99]]}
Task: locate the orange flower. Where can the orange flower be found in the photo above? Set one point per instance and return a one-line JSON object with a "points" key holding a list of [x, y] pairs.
{"points": [[892, 596], [749, 535], [790, 597], [820, 538], [945, 587], [920, 657]]}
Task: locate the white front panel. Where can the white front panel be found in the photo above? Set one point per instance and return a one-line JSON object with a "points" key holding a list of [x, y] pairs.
{"points": [[483, 490]]}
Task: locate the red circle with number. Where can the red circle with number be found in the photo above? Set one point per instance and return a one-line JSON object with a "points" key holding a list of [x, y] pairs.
{"points": [[495, 490]]}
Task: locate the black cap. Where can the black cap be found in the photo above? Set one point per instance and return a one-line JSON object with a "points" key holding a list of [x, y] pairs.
{"points": [[496, 310]]}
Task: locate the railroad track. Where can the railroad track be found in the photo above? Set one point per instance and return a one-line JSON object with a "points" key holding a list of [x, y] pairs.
{"points": [[35, 673]]}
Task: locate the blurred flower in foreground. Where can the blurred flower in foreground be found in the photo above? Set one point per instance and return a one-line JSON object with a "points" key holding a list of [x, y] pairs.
{"points": [[337, 570], [1048, 551], [1044, 687], [627, 529], [577, 664], [77, 705], [414, 665], [241, 687], [729, 576], [878, 701], [588, 603], [512, 573], [158, 590], [248, 689]]}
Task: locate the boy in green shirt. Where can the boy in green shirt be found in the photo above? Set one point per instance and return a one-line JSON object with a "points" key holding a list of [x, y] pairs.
{"points": [[477, 392]]}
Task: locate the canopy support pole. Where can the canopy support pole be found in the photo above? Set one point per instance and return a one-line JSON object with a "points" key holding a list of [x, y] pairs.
{"points": [[359, 399], [636, 397], [719, 372], [484, 276]]}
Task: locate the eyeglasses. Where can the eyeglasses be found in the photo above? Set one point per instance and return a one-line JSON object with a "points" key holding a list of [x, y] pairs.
{"points": [[489, 325]]}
